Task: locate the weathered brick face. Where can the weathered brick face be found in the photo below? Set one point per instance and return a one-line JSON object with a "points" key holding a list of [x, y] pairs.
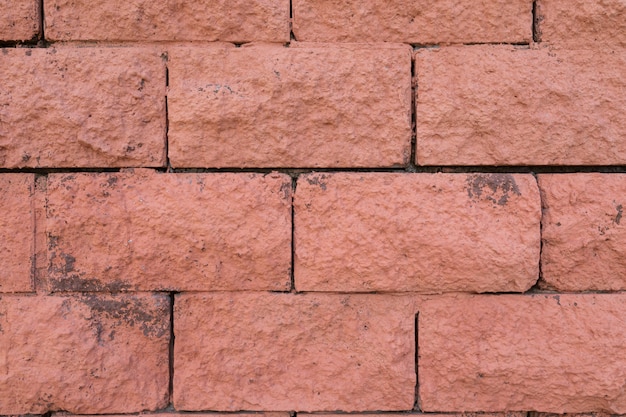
{"points": [[317, 207]]}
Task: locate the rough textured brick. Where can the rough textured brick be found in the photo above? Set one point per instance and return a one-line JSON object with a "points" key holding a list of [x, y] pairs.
{"points": [[17, 234], [555, 353], [416, 232], [580, 23], [204, 20], [82, 107], [507, 414], [423, 22], [19, 20], [264, 351], [304, 106], [84, 354], [584, 236], [499, 105], [151, 231]]}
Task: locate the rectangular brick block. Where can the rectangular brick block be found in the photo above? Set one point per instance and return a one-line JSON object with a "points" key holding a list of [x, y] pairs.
{"points": [[422, 22], [17, 232], [270, 351], [501, 105], [178, 20], [416, 232], [143, 230], [554, 353], [19, 20], [305, 106], [85, 354], [584, 235], [82, 107], [576, 23]]}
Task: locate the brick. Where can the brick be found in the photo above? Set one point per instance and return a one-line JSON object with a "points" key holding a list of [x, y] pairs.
{"points": [[501, 105], [17, 234], [420, 22], [554, 353], [507, 414], [143, 230], [416, 232], [19, 20], [302, 352], [584, 237], [147, 20], [580, 23], [304, 106], [84, 354], [82, 107]]}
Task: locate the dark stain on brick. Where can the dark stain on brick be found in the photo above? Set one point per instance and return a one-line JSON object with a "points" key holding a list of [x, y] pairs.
{"points": [[317, 180], [496, 188], [109, 312], [75, 282], [620, 212]]}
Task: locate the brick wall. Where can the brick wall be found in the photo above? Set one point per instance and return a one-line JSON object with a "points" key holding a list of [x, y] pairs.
{"points": [[316, 206]]}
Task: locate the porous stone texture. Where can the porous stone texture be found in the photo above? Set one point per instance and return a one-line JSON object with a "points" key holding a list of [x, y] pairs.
{"points": [[416, 232], [17, 232], [422, 22], [19, 20], [507, 414], [143, 230], [584, 235], [82, 107], [84, 354], [580, 23], [171, 20], [302, 352], [506, 105], [304, 106], [549, 352]]}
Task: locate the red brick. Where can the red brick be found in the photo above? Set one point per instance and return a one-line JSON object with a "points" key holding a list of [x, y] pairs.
{"points": [[82, 107], [508, 414], [554, 353], [147, 20], [17, 234], [584, 237], [304, 106], [576, 23], [270, 351], [416, 232], [502, 105], [84, 354], [19, 20], [151, 231], [422, 22]]}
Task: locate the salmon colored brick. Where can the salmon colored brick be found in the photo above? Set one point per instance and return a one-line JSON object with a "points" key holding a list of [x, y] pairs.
{"points": [[580, 23], [584, 236], [17, 233], [305, 106], [179, 20], [549, 352], [143, 230], [84, 354], [416, 232], [507, 414], [302, 352], [82, 107], [19, 20], [502, 105], [421, 22]]}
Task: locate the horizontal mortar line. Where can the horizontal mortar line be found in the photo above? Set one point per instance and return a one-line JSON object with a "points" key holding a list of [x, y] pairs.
{"points": [[344, 293], [411, 169], [39, 43]]}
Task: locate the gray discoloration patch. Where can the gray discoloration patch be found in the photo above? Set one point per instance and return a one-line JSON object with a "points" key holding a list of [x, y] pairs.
{"points": [[317, 180], [620, 212], [127, 310], [75, 282], [496, 188]]}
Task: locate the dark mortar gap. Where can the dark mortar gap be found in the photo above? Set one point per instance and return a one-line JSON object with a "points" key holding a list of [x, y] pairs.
{"points": [[42, 34], [171, 349], [535, 24], [411, 162], [294, 183], [292, 36], [31, 43], [416, 405], [168, 165]]}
